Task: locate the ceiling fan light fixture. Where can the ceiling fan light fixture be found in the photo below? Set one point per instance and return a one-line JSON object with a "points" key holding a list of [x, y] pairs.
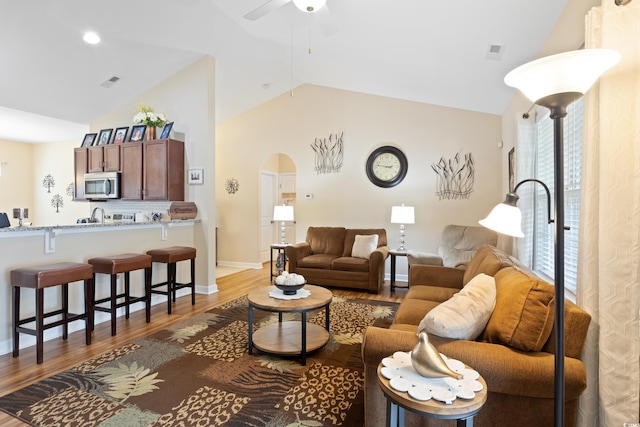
{"points": [[309, 6]]}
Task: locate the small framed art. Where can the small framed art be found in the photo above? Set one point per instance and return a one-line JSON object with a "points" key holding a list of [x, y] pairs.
{"points": [[196, 176], [166, 130], [105, 136], [89, 139], [137, 133], [120, 135]]}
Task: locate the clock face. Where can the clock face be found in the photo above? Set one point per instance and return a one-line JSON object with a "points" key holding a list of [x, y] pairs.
{"points": [[387, 166]]}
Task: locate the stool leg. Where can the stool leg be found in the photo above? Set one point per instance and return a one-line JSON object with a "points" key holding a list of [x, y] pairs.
{"points": [[65, 311], [112, 308], [174, 273], [16, 320], [39, 325], [88, 309], [147, 293], [193, 281], [169, 288], [93, 300], [127, 299]]}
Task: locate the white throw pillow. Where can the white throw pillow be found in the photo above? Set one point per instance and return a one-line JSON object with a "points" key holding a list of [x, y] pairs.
{"points": [[364, 245], [465, 315]]}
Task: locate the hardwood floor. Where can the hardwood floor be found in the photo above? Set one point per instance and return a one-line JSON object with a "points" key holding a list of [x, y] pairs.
{"points": [[60, 355]]}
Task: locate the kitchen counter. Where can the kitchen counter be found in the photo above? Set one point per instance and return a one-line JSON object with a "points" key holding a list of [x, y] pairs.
{"points": [[95, 225]]}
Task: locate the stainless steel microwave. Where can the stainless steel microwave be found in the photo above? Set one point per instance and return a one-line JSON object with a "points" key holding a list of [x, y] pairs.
{"points": [[102, 185]]}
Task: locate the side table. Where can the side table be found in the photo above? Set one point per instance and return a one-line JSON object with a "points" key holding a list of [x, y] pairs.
{"points": [[278, 248], [462, 410], [395, 253]]}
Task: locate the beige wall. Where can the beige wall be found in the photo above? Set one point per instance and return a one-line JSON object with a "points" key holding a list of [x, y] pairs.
{"points": [[17, 176], [289, 125]]}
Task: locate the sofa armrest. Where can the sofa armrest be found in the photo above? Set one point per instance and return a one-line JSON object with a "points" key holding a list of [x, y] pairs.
{"points": [[295, 252], [423, 258], [376, 268], [379, 343], [435, 275]]}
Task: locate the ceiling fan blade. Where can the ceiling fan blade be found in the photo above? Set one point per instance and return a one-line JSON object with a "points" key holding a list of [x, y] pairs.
{"points": [[323, 16], [266, 8]]}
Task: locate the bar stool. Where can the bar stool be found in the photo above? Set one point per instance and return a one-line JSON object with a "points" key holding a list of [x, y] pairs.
{"points": [[114, 265], [46, 276], [171, 256]]}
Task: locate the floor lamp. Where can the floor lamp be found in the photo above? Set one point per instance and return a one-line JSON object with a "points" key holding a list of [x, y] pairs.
{"points": [[553, 82]]}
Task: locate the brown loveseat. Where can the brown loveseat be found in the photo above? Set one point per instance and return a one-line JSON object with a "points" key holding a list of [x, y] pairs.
{"points": [[325, 258], [514, 353]]}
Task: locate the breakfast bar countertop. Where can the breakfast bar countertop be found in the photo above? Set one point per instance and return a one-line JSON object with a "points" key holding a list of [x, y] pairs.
{"points": [[93, 225]]}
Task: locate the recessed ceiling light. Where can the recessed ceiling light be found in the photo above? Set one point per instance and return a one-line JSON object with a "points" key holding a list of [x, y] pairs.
{"points": [[91, 37]]}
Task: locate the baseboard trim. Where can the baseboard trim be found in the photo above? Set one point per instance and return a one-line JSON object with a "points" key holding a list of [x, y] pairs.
{"points": [[235, 264]]}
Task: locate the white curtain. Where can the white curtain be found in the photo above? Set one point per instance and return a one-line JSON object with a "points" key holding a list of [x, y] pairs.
{"points": [[609, 254]]}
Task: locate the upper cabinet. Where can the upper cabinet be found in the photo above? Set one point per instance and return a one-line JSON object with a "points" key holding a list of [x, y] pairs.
{"points": [[104, 158], [153, 170]]}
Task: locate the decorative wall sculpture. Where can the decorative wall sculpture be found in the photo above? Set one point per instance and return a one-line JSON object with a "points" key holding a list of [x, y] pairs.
{"points": [[70, 190], [48, 182], [329, 153], [455, 177], [232, 185], [57, 202]]}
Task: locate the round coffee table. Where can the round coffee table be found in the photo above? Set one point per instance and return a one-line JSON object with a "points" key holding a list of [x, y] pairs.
{"points": [[289, 337], [462, 410]]}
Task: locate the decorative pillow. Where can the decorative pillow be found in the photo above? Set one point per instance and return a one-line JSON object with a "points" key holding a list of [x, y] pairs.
{"points": [[363, 245], [464, 315], [524, 313]]}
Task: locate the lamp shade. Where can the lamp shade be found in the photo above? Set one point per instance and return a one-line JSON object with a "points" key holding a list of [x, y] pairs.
{"points": [[402, 215], [505, 219], [574, 71], [283, 213], [309, 6]]}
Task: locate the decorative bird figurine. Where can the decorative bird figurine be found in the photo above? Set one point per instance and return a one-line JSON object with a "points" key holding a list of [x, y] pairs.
{"points": [[426, 359]]}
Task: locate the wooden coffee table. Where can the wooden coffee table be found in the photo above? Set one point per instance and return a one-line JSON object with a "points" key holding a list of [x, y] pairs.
{"points": [[290, 337]]}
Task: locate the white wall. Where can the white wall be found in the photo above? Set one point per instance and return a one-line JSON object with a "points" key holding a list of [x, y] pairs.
{"points": [[290, 124]]}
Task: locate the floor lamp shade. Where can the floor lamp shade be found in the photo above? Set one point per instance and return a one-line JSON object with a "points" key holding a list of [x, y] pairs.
{"points": [[309, 6]]}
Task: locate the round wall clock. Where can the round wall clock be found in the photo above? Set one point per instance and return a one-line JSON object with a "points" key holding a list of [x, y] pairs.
{"points": [[387, 166]]}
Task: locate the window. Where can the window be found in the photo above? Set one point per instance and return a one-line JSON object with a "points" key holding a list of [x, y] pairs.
{"points": [[543, 250]]}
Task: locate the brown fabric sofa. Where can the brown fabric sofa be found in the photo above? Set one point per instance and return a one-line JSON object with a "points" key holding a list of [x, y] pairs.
{"points": [[520, 383], [325, 258]]}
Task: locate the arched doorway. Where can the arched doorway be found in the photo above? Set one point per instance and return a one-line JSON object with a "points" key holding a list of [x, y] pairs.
{"points": [[277, 187]]}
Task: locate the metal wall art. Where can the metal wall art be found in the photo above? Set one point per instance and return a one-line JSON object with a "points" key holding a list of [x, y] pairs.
{"points": [[455, 177], [57, 202], [329, 153], [232, 185], [48, 182]]}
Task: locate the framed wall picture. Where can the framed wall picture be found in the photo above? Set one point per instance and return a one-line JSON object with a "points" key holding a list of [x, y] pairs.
{"points": [[137, 133], [166, 130], [89, 139], [121, 135], [196, 176], [105, 136]]}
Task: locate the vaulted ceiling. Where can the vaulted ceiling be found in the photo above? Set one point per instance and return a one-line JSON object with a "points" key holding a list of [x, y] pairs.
{"points": [[440, 53]]}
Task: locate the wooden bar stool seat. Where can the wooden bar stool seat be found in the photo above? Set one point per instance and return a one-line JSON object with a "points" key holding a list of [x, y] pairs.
{"points": [[46, 276], [171, 256], [114, 265]]}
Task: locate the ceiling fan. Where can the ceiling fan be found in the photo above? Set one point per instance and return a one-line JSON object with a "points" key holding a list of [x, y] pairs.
{"points": [[316, 7]]}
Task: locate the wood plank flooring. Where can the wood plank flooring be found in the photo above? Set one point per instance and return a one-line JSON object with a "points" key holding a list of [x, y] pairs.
{"points": [[60, 355]]}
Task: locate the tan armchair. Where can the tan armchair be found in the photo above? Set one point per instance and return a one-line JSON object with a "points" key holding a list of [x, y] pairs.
{"points": [[459, 243]]}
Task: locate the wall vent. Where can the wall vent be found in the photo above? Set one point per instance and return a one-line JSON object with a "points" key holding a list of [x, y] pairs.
{"points": [[110, 82], [495, 51]]}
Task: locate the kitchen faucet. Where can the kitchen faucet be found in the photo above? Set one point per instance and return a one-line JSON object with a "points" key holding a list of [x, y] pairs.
{"points": [[93, 215]]}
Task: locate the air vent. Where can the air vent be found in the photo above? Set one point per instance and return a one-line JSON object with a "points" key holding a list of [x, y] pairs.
{"points": [[110, 82], [495, 51]]}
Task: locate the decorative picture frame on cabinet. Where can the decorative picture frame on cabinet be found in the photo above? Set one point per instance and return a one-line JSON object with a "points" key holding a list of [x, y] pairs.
{"points": [[196, 176], [166, 130], [137, 133], [121, 135], [89, 139], [105, 136]]}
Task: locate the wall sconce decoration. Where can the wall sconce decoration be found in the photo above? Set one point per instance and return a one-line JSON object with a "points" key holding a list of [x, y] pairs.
{"points": [[48, 182], [57, 202], [455, 177], [232, 186], [329, 153]]}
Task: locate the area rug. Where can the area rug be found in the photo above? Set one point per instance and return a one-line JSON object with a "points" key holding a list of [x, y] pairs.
{"points": [[198, 373]]}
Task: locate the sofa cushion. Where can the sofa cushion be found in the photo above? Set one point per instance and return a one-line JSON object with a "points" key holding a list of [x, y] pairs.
{"points": [[523, 316], [488, 260], [351, 233], [465, 315], [412, 311], [317, 261], [350, 264], [326, 240], [364, 245], [431, 293]]}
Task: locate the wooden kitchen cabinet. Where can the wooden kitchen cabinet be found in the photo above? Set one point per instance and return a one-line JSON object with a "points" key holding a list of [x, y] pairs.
{"points": [[104, 158], [80, 163], [153, 170]]}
